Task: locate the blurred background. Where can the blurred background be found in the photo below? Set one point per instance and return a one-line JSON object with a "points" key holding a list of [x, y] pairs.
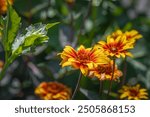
{"points": [[81, 22]]}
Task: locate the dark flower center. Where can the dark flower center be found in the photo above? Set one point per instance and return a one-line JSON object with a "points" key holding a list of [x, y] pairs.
{"points": [[134, 92], [83, 56]]}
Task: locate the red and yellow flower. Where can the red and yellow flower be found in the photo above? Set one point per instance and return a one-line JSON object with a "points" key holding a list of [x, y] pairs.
{"points": [[133, 92], [3, 5], [132, 35], [116, 34], [104, 71], [53, 91], [116, 47], [83, 59], [118, 43]]}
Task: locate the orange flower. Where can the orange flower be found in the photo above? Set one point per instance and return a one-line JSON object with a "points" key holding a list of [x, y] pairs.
{"points": [[131, 36], [53, 91], [116, 47], [83, 59], [116, 34], [133, 92], [104, 71], [3, 5], [118, 43]]}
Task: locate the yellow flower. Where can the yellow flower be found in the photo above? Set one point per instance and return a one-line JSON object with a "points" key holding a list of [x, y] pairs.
{"points": [[3, 5], [118, 43], [115, 34], [133, 92], [53, 91], [132, 35], [116, 47], [104, 71], [83, 59]]}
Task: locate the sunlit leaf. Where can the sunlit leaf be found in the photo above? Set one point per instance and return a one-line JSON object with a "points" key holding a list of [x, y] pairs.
{"points": [[12, 26], [35, 35], [49, 25]]}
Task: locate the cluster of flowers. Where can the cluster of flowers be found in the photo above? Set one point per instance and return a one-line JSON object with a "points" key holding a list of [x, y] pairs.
{"points": [[98, 60]]}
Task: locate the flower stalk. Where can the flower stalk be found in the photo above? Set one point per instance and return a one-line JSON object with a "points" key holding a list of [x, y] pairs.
{"points": [[77, 86], [2, 73], [112, 76], [124, 72]]}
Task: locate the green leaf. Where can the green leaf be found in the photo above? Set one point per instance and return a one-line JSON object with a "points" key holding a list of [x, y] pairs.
{"points": [[12, 26], [49, 25], [1, 22], [35, 35], [90, 94]]}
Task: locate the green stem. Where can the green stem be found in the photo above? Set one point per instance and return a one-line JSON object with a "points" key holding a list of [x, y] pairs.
{"points": [[124, 72], [6, 65], [2, 73], [77, 86], [112, 76]]}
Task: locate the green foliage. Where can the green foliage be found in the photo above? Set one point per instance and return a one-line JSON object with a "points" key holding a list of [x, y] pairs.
{"points": [[35, 35], [16, 44], [13, 21], [83, 22]]}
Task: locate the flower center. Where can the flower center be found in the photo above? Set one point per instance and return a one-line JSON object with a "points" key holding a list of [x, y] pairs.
{"points": [[133, 92], [113, 49], [83, 56], [128, 37]]}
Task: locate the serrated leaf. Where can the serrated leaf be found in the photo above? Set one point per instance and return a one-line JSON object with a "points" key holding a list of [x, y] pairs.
{"points": [[90, 94], [50, 25], [35, 35]]}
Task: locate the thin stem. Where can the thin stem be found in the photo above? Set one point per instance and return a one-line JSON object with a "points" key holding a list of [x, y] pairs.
{"points": [[112, 76], [124, 72], [77, 86], [6, 65], [2, 73]]}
